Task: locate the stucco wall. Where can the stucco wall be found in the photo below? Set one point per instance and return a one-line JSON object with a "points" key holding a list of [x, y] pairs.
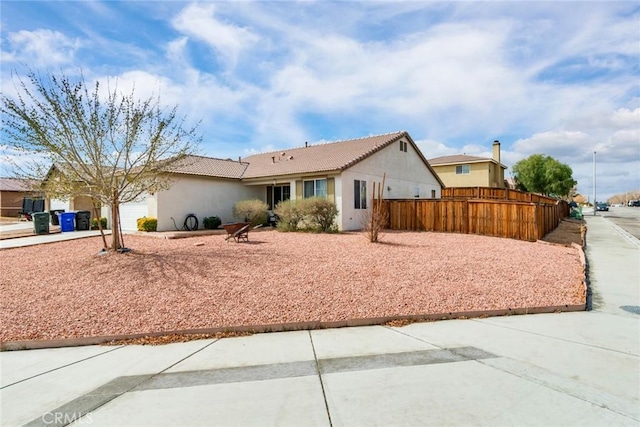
{"points": [[11, 202], [405, 172], [478, 175], [203, 197]]}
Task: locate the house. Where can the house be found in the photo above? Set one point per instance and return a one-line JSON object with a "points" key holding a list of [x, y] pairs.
{"points": [[77, 203], [202, 186], [461, 170], [343, 171], [12, 192]]}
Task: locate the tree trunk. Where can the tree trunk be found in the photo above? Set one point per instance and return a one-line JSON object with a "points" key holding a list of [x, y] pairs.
{"points": [[115, 223], [96, 214]]}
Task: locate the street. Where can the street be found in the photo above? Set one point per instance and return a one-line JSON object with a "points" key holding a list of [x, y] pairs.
{"points": [[626, 218]]}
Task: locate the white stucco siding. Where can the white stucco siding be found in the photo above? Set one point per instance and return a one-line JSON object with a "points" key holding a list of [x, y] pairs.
{"points": [[202, 197], [405, 173]]}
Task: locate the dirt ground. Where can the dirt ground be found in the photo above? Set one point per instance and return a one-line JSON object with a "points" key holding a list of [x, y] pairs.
{"points": [[568, 231], [67, 289]]}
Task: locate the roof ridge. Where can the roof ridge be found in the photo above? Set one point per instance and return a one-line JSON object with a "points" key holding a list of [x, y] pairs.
{"points": [[459, 155], [338, 141], [355, 139], [214, 158]]}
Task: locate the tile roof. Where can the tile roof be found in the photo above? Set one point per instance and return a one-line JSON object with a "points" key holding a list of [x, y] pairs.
{"points": [[331, 156], [209, 166], [460, 158], [14, 184]]}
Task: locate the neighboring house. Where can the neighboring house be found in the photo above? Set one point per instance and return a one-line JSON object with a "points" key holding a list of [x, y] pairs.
{"points": [[12, 191], [343, 171], [78, 203], [461, 170]]}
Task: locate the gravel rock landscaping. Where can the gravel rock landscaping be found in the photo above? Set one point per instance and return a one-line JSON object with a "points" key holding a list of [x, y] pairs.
{"points": [[66, 290]]}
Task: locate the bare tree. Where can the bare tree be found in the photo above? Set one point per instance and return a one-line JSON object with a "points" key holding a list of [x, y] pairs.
{"points": [[104, 144], [377, 217]]}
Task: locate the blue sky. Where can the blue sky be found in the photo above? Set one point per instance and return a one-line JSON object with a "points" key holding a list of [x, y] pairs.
{"points": [[559, 78]]}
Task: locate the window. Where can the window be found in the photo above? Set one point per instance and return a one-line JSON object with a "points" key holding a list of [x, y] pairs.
{"points": [[403, 146], [277, 193], [315, 188], [360, 194], [433, 194], [462, 170]]}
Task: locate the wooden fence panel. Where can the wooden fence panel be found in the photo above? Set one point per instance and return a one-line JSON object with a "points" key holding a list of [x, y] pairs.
{"points": [[493, 193], [499, 218]]}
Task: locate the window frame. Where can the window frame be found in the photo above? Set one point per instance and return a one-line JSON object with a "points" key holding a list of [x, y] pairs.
{"points": [[305, 194], [462, 169], [359, 197], [271, 194]]}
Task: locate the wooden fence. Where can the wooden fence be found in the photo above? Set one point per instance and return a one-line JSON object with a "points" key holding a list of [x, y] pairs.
{"points": [[492, 193], [500, 218]]}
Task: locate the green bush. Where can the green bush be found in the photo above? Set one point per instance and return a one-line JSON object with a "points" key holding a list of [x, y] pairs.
{"points": [[147, 224], [211, 222], [312, 214], [289, 215], [320, 213], [254, 211], [94, 223]]}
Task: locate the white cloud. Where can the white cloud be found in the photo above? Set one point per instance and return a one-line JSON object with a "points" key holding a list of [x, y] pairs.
{"points": [[40, 48], [229, 41]]}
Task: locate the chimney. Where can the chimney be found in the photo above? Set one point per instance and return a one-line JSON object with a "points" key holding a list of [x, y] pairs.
{"points": [[496, 151], [306, 144], [239, 159]]}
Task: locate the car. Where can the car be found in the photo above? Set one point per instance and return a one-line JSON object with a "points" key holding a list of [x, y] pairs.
{"points": [[634, 203], [602, 207]]}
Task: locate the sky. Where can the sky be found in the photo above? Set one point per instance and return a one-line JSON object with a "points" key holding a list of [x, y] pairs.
{"points": [[553, 77]]}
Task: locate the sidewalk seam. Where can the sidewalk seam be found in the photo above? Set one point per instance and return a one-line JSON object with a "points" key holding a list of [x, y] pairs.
{"points": [[324, 394], [556, 388], [59, 367], [554, 338], [106, 398]]}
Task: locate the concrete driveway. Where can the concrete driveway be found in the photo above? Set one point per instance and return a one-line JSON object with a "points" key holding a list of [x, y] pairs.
{"points": [[580, 368]]}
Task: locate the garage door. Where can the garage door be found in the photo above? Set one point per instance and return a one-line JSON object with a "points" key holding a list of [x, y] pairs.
{"points": [[55, 204], [129, 214]]}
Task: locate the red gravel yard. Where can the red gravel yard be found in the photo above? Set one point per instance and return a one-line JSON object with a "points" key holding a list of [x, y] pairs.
{"points": [[65, 290]]}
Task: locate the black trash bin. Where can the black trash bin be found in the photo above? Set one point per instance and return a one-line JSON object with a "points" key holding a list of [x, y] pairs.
{"points": [[83, 220], [55, 219], [41, 222]]}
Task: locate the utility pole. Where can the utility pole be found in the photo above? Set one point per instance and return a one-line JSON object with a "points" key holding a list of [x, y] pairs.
{"points": [[594, 183]]}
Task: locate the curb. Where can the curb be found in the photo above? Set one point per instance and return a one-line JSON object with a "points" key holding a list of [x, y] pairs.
{"points": [[283, 327], [630, 237]]}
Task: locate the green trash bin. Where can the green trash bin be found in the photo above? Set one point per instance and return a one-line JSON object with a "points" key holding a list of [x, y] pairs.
{"points": [[41, 222]]}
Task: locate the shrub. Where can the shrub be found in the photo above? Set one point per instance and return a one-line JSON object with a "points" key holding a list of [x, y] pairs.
{"points": [[147, 224], [253, 211], [289, 215], [94, 223], [321, 213], [211, 222]]}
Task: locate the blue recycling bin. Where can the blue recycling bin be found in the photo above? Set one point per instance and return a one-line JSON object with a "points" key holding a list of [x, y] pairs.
{"points": [[67, 221]]}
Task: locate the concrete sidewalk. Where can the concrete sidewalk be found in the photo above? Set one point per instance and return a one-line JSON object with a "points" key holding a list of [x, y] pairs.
{"points": [[580, 368], [20, 242]]}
